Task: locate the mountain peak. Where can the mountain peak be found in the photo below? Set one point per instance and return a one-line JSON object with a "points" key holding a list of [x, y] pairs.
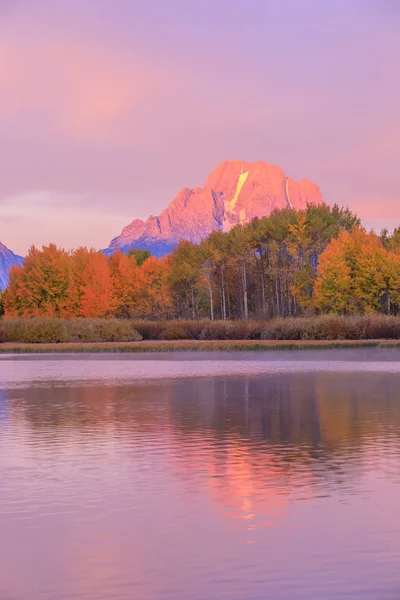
{"points": [[235, 192]]}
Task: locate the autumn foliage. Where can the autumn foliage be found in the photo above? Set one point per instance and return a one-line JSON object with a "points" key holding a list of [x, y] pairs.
{"points": [[358, 273], [86, 283], [290, 264]]}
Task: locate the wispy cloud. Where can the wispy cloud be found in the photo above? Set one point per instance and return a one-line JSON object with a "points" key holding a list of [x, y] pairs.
{"points": [[69, 220], [79, 89]]}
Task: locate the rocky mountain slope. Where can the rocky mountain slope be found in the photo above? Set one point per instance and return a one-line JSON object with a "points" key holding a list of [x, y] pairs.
{"points": [[235, 192], [7, 260]]}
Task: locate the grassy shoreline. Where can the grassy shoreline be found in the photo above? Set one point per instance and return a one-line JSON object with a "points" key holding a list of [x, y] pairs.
{"points": [[127, 335], [191, 345]]}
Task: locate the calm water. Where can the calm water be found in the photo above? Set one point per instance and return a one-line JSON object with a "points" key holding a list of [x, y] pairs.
{"points": [[207, 477]]}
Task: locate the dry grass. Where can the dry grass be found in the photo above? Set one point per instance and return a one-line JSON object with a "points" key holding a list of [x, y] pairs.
{"points": [[58, 331], [193, 345], [317, 328], [323, 327]]}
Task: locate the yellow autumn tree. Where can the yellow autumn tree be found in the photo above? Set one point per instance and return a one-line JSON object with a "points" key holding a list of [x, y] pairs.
{"points": [[334, 287], [352, 274]]}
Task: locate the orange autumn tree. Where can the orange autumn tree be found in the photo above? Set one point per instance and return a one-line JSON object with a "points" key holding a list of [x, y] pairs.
{"points": [[91, 284], [281, 265], [14, 299], [124, 279], [41, 286], [153, 289], [55, 283]]}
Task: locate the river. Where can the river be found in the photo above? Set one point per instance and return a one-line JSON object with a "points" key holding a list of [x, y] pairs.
{"points": [[236, 476]]}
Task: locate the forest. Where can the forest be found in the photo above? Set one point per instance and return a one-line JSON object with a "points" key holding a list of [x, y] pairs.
{"points": [[290, 264]]}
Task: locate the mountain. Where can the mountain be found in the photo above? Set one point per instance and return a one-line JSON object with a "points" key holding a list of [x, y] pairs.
{"points": [[235, 192], [7, 260]]}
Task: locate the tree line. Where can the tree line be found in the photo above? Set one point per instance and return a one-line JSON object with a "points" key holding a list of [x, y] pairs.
{"points": [[290, 263]]}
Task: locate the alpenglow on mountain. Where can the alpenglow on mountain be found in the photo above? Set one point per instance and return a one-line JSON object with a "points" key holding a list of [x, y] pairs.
{"points": [[7, 260], [235, 192]]}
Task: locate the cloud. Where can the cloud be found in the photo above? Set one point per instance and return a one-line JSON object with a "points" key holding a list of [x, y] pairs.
{"points": [[132, 101], [79, 89], [67, 219]]}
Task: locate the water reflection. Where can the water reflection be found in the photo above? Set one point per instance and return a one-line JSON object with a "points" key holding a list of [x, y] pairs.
{"points": [[320, 414], [155, 490]]}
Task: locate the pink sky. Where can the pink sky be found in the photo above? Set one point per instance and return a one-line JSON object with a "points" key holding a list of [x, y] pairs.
{"points": [[108, 109]]}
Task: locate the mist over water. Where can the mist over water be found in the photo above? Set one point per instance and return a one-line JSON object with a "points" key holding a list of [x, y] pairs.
{"points": [[279, 482]]}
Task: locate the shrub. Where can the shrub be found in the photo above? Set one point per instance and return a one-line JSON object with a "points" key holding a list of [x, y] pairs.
{"points": [[333, 327], [149, 330], [48, 330], [102, 330], [323, 327], [384, 327], [282, 329], [174, 332], [34, 331], [231, 330]]}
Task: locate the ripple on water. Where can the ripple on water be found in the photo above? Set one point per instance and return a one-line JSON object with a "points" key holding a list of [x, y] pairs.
{"points": [[239, 481]]}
